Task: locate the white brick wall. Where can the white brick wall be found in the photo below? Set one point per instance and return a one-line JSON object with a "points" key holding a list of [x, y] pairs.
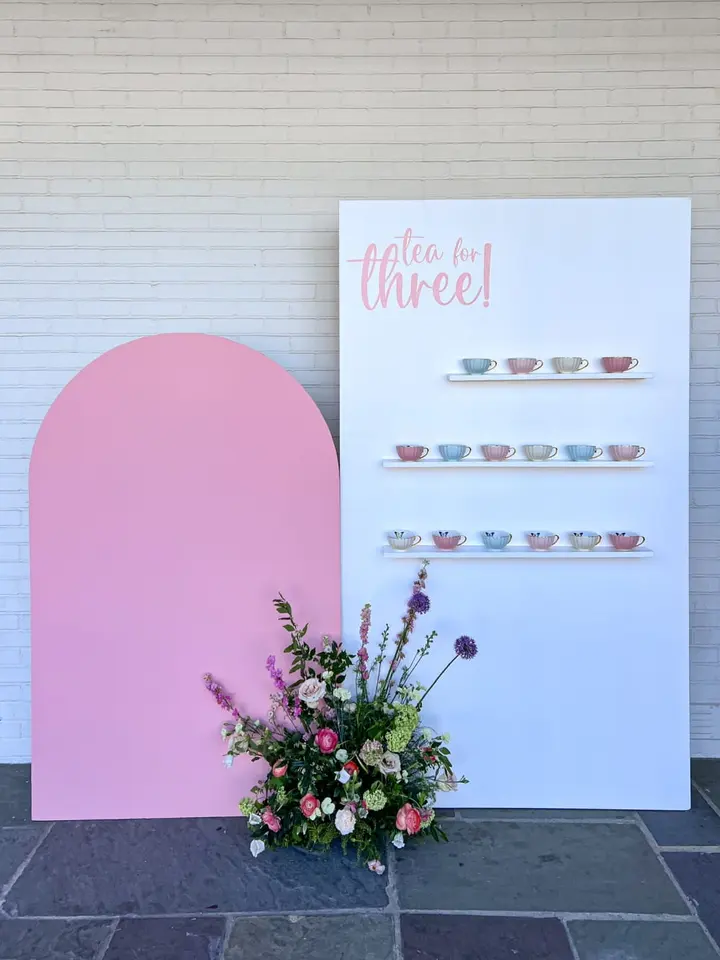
{"points": [[174, 166]]}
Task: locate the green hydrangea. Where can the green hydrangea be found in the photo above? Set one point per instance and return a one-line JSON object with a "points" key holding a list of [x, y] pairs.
{"points": [[375, 799], [247, 806], [404, 723], [430, 814]]}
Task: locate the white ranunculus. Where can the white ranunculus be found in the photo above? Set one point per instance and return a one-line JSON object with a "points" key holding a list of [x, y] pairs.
{"points": [[254, 819], [257, 847], [311, 691], [389, 763], [342, 694], [327, 806], [398, 841], [343, 776], [350, 707], [345, 821], [341, 755]]}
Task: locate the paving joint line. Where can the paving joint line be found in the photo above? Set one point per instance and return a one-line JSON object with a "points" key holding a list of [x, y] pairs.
{"points": [[393, 902], [562, 915], [573, 948], [19, 872], [618, 820], [706, 797], [105, 946], [692, 906]]}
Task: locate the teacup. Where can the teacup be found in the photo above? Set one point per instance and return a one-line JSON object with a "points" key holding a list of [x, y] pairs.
{"points": [[540, 451], [624, 540], [524, 364], [569, 364], [454, 451], [584, 540], [412, 451], [618, 364], [542, 539], [497, 451], [448, 539], [403, 539], [626, 451], [496, 539], [583, 451], [478, 365]]}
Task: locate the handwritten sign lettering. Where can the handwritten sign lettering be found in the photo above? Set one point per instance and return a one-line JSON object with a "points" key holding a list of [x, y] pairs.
{"points": [[387, 277]]}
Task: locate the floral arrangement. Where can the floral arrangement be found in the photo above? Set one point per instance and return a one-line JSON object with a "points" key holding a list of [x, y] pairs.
{"points": [[347, 753]]}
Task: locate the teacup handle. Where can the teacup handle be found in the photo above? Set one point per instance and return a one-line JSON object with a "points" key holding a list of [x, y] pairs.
{"points": [[510, 539], [426, 451], [598, 541], [554, 453], [461, 541], [493, 364], [512, 453], [633, 364], [555, 539], [468, 451], [641, 541], [537, 365], [583, 365], [416, 540], [641, 453], [598, 453]]}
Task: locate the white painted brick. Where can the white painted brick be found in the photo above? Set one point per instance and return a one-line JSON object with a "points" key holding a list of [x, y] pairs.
{"points": [[177, 165]]}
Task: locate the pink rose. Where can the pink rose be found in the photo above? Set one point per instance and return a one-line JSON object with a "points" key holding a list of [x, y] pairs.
{"points": [[279, 768], [408, 818], [326, 740], [309, 804], [271, 821]]}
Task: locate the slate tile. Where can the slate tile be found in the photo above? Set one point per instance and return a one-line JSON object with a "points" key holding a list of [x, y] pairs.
{"points": [[437, 937], [699, 876], [166, 938], [556, 867], [478, 813], [706, 774], [686, 828], [52, 939], [349, 937], [181, 866], [15, 845], [14, 794], [640, 940]]}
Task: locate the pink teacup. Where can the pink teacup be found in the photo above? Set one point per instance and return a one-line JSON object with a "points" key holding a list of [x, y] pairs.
{"points": [[524, 364], [619, 364], [542, 539], [411, 451], [626, 451], [622, 540], [497, 451], [448, 539]]}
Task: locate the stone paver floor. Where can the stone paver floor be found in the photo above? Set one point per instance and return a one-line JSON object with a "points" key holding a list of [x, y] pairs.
{"points": [[510, 885]]}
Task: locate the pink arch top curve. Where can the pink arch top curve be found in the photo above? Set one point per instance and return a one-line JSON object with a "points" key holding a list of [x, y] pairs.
{"points": [[176, 485]]}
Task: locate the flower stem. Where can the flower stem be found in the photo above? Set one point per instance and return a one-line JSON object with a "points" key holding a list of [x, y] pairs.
{"points": [[444, 670]]}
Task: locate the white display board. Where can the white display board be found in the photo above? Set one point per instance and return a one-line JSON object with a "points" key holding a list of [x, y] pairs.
{"points": [[578, 697]]}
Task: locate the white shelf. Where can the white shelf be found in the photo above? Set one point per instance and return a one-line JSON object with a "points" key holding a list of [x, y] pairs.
{"points": [[392, 463], [472, 552], [494, 377]]}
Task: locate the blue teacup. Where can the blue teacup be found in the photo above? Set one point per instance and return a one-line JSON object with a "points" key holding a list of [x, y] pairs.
{"points": [[478, 365], [496, 539], [584, 451], [454, 451]]}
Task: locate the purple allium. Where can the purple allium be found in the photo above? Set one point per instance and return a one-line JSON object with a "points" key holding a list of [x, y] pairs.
{"points": [[465, 647], [419, 603]]}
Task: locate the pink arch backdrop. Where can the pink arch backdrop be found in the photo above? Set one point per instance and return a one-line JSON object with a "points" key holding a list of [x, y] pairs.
{"points": [[176, 485]]}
